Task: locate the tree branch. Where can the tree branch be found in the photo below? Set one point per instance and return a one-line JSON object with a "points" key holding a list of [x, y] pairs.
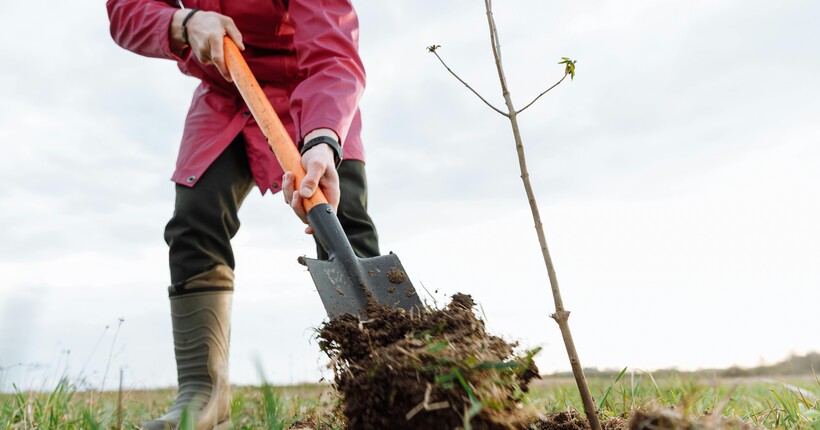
{"points": [[539, 95], [433, 50]]}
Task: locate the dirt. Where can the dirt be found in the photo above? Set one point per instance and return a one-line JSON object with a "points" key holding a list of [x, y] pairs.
{"points": [[669, 419], [437, 370], [396, 276], [572, 420], [441, 370], [561, 421]]}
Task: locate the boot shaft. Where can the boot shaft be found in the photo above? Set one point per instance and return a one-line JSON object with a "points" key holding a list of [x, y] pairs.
{"points": [[201, 322], [201, 328]]}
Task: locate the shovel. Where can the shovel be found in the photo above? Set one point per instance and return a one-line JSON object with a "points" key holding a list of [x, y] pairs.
{"points": [[346, 283]]}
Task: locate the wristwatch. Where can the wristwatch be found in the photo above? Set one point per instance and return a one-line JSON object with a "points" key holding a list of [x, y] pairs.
{"points": [[329, 141]]}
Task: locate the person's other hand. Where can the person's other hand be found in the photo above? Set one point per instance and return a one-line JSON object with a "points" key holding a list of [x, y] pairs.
{"points": [[205, 33], [321, 173]]}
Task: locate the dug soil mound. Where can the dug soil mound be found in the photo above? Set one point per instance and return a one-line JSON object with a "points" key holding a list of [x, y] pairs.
{"points": [[434, 370], [441, 370]]}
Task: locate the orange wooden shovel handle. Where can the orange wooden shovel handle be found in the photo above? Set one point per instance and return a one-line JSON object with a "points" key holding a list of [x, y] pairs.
{"points": [[259, 105]]}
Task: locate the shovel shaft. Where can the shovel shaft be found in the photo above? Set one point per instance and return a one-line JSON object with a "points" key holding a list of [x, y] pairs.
{"points": [[346, 283], [261, 109]]}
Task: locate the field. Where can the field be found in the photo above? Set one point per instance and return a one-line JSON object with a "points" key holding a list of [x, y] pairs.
{"points": [[441, 370], [757, 401]]}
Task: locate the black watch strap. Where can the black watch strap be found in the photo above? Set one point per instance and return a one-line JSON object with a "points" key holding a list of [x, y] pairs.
{"points": [[329, 141]]}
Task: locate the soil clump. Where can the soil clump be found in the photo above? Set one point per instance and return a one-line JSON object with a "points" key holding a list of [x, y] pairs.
{"points": [[435, 370]]}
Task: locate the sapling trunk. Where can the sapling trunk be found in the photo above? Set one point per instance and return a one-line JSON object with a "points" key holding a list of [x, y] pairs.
{"points": [[561, 315]]}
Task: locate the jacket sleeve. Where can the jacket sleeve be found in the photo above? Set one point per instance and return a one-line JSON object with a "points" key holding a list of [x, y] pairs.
{"points": [[141, 26], [326, 38]]}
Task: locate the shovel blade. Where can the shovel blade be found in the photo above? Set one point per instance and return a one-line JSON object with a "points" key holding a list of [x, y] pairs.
{"points": [[346, 291]]}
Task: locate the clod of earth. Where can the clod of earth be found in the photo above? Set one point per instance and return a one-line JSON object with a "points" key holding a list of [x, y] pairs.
{"points": [[668, 419], [435, 370], [396, 276]]}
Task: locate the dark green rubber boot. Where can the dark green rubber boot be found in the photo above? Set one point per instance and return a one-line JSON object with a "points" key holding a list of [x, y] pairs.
{"points": [[201, 323]]}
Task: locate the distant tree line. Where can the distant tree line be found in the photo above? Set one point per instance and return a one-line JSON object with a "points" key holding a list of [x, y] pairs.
{"points": [[793, 365]]}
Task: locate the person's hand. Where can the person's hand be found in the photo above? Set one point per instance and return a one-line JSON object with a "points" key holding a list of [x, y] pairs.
{"points": [[205, 33], [321, 172]]}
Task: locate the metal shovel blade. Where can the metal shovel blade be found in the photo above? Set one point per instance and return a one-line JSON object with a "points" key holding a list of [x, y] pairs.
{"points": [[346, 283], [381, 279]]}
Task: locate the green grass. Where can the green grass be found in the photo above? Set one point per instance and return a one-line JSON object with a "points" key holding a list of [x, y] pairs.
{"points": [[789, 404], [765, 403], [66, 408]]}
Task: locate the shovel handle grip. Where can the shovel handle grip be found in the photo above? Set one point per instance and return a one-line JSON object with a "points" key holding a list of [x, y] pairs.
{"points": [[261, 109]]}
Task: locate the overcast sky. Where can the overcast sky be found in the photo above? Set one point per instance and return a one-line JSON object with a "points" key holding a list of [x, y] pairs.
{"points": [[677, 177]]}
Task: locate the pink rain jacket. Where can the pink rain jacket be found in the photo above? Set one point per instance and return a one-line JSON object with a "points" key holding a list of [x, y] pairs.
{"points": [[304, 53]]}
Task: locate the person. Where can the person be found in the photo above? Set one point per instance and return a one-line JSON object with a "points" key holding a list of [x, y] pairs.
{"points": [[305, 55]]}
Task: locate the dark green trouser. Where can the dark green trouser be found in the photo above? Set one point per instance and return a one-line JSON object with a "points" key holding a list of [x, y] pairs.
{"points": [[205, 216]]}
